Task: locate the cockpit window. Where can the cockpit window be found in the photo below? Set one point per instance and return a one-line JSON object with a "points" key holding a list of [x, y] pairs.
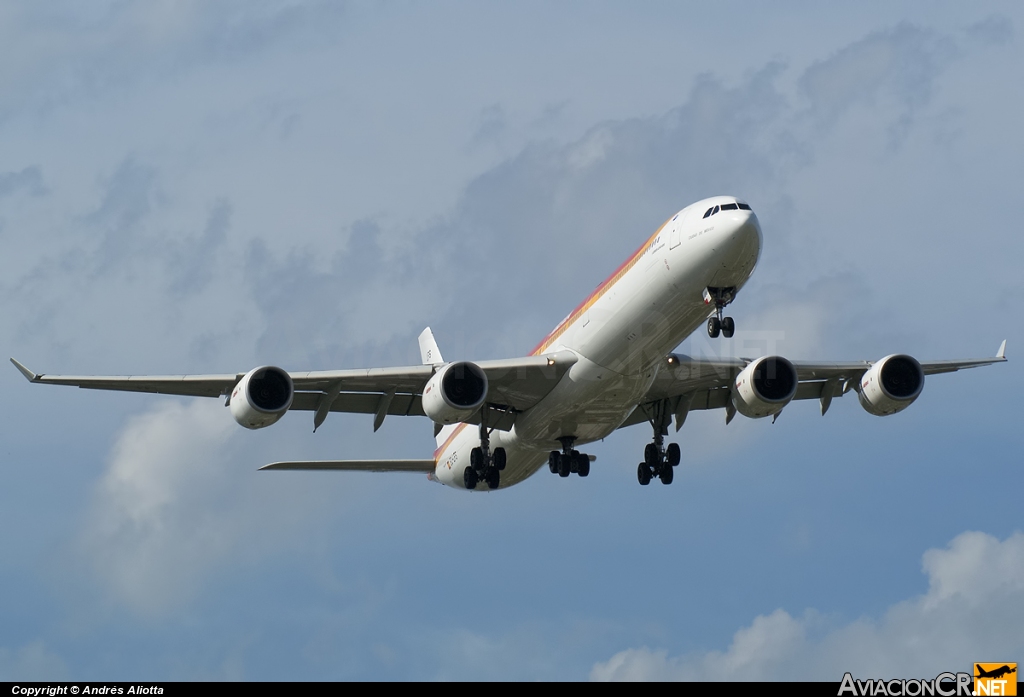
{"points": [[726, 207]]}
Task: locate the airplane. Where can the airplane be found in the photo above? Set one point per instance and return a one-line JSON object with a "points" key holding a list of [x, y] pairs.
{"points": [[997, 673], [608, 365]]}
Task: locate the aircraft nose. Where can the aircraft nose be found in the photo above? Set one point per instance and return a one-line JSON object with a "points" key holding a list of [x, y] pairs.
{"points": [[740, 231]]}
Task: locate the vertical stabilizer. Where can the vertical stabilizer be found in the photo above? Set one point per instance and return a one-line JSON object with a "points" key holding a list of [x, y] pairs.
{"points": [[429, 353]]}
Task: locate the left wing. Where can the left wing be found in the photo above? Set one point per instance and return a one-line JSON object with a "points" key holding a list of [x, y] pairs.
{"points": [[686, 384], [514, 385], [356, 465]]}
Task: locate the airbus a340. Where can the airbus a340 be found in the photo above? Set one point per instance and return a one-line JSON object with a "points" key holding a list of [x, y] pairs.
{"points": [[608, 365]]}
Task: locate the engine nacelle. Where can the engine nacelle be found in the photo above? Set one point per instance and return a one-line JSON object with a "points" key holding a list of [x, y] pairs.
{"points": [[764, 387], [891, 385], [262, 397], [454, 392]]}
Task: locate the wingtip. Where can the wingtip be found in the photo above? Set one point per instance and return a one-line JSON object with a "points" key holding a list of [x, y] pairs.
{"points": [[1001, 353], [32, 377]]}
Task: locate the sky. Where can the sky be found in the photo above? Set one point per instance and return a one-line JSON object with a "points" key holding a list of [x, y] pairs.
{"points": [[204, 187]]}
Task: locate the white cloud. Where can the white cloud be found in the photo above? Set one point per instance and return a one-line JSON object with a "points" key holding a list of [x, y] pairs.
{"points": [[171, 510], [972, 611], [32, 661]]}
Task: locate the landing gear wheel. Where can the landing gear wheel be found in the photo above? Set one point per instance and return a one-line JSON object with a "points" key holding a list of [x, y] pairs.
{"points": [[728, 327], [574, 461], [499, 459], [553, 460], [643, 474], [476, 459], [583, 468], [564, 466], [469, 478], [493, 478], [667, 473], [714, 327], [652, 458], [672, 454]]}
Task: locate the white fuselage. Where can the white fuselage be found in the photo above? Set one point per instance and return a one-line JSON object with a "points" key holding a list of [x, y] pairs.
{"points": [[621, 334]]}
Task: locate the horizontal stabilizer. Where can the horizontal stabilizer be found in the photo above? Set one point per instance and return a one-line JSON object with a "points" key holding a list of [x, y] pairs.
{"points": [[356, 465]]}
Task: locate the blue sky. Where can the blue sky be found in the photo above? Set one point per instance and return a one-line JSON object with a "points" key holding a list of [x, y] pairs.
{"points": [[205, 187]]}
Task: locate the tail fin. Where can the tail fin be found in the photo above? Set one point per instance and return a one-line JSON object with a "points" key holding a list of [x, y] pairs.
{"points": [[431, 355]]}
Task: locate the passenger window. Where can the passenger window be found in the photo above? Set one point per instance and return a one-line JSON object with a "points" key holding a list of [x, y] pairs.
{"points": [[729, 206]]}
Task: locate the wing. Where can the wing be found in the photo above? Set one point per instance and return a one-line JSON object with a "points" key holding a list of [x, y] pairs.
{"points": [[514, 386], [687, 384], [356, 465]]}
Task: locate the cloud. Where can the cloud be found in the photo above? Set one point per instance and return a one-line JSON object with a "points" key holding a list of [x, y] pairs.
{"points": [[29, 179], [993, 31], [33, 661], [74, 51], [900, 65], [170, 510], [972, 611], [191, 261]]}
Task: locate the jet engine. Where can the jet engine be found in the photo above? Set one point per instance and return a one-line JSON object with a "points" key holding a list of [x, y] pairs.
{"points": [[262, 397], [454, 392], [891, 385], [764, 387]]}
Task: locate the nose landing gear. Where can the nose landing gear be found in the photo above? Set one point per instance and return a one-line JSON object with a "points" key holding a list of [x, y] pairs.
{"points": [[568, 461], [719, 324]]}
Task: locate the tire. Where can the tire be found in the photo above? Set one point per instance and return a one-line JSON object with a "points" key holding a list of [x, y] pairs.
{"points": [[553, 459], [728, 327], [673, 454], [714, 327], [476, 459], [500, 459], [667, 474], [584, 466], [493, 478], [652, 458], [574, 461], [469, 478], [643, 474], [564, 466]]}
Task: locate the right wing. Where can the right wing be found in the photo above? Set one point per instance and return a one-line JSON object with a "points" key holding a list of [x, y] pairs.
{"points": [[693, 384]]}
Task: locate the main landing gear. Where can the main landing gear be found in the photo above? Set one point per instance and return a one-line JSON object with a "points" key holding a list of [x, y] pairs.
{"points": [[483, 464], [659, 461], [568, 461], [718, 324]]}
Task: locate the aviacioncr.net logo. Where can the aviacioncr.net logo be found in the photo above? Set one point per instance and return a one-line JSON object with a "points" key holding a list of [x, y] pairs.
{"points": [[995, 679], [942, 685]]}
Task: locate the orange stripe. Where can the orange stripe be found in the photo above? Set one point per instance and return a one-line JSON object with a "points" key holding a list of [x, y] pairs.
{"points": [[567, 322], [441, 448], [597, 294]]}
